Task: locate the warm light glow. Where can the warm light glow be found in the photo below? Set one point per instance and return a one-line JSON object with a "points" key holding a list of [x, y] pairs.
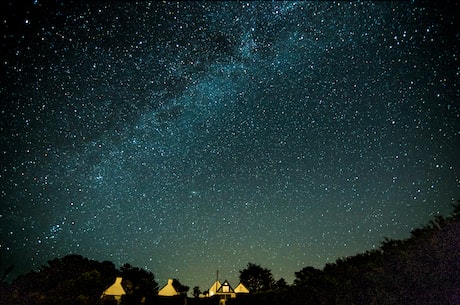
{"points": [[115, 290], [168, 290]]}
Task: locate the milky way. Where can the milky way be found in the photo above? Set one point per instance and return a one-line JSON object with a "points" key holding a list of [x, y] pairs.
{"points": [[186, 138]]}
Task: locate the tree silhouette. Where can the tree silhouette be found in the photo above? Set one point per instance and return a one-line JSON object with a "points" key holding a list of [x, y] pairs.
{"points": [[256, 278], [181, 289], [307, 276], [138, 284], [423, 269], [280, 284], [72, 279], [196, 292]]}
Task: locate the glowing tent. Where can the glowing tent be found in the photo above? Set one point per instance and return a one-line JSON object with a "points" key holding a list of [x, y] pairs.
{"points": [[115, 291], [212, 291], [241, 289], [168, 290]]}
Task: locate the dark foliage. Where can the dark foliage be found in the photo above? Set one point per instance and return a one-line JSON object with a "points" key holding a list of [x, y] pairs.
{"points": [[196, 292], [280, 284], [181, 289], [70, 280], [256, 278], [74, 279], [423, 269], [138, 284]]}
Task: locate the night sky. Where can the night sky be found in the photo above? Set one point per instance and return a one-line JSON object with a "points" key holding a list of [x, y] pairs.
{"points": [[188, 137]]}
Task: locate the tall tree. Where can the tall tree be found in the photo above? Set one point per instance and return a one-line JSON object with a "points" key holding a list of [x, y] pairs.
{"points": [[256, 278], [138, 283]]}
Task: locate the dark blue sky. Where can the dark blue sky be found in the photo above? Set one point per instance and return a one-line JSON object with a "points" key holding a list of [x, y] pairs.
{"points": [[189, 137]]}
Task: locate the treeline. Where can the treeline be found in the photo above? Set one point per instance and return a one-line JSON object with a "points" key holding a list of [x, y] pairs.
{"points": [[423, 269], [76, 280]]}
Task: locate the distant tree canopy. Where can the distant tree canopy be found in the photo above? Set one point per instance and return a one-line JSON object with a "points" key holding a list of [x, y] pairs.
{"points": [[72, 279], [307, 276], [423, 269]]}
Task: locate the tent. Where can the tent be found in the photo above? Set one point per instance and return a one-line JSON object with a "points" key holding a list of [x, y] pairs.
{"points": [[241, 289], [212, 291], [115, 291], [168, 290]]}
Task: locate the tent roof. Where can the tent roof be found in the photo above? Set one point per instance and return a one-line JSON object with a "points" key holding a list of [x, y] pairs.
{"points": [[168, 289], [214, 286], [241, 288], [116, 288]]}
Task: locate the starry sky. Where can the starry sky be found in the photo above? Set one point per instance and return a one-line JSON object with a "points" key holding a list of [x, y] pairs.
{"points": [[194, 136]]}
